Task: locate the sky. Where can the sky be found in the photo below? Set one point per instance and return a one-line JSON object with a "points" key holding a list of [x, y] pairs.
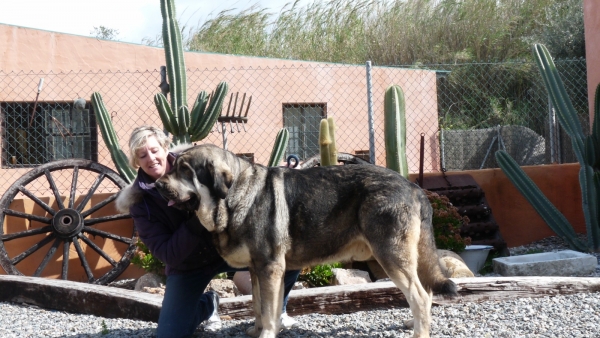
{"points": [[134, 19]]}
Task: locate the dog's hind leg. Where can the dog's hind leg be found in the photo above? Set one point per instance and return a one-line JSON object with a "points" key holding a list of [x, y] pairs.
{"points": [[399, 259]]}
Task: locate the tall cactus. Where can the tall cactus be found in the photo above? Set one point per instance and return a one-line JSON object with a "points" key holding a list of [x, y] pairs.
{"points": [[395, 130], [281, 143], [111, 140], [185, 125], [587, 150], [325, 142]]}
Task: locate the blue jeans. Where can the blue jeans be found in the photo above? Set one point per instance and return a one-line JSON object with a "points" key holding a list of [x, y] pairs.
{"points": [[185, 305]]}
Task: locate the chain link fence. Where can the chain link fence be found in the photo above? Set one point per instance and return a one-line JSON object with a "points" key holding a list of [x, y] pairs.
{"points": [[484, 107], [480, 108], [48, 122]]}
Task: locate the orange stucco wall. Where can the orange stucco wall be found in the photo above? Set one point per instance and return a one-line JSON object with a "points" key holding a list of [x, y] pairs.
{"points": [[591, 17], [519, 223]]}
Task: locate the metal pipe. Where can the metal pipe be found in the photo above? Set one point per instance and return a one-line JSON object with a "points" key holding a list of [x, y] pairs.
{"points": [[421, 160], [370, 114]]}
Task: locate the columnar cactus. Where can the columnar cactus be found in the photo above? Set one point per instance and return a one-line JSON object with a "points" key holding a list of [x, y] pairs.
{"points": [[325, 142], [185, 125], [395, 130], [281, 142], [111, 140], [587, 150], [333, 154]]}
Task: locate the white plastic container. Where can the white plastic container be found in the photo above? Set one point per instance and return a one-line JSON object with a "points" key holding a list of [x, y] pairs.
{"points": [[475, 256]]}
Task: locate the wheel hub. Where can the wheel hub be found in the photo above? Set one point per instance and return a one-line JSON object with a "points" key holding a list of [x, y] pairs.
{"points": [[67, 223]]}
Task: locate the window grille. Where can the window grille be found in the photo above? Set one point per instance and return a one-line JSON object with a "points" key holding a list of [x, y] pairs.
{"points": [[55, 131]]}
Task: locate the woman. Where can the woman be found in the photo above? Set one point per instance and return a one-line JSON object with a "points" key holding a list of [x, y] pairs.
{"points": [[177, 239]]}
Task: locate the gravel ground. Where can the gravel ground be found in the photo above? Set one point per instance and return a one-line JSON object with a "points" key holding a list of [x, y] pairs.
{"points": [[559, 316]]}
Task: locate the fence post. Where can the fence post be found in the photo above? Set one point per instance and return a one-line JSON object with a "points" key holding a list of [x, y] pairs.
{"points": [[370, 113], [555, 153]]}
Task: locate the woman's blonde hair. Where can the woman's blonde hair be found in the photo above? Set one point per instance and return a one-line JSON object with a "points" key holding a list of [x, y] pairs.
{"points": [[138, 140]]}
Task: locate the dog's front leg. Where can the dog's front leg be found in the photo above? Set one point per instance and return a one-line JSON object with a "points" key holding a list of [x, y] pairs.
{"points": [[255, 330], [270, 281]]}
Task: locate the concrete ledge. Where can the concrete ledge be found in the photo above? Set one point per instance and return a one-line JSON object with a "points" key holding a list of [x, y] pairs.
{"points": [[561, 263]]}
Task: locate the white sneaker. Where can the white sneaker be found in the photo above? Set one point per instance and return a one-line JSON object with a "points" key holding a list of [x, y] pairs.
{"points": [[288, 322], [213, 323]]}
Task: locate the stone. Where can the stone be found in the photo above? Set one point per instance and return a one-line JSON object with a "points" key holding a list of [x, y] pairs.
{"points": [[242, 281], [350, 276], [453, 265], [149, 280], [156, 291], [224, 287], [376, 270], [560, 263]]}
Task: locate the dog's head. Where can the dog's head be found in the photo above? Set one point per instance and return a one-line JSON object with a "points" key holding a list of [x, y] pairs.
{"points": [[201, 172]]}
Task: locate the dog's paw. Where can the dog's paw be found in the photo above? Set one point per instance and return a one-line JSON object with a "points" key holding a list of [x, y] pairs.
{"points": [[410, 324], [253, 331]]}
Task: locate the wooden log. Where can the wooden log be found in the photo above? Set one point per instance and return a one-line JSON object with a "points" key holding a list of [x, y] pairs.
{"points": [[114, 302]]}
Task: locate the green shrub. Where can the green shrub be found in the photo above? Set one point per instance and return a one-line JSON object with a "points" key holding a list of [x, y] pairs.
{"points": [[320, 275], [145, 260], [447, 223]]}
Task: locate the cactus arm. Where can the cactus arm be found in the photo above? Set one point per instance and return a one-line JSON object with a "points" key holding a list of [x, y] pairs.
{"points": [[174, 58], [207, 121], [184, 116], [281, 143], [555, 220], [166, 115], [333, 155], [395, 130], [110, 139], [324, 142], [566, 112], [198, 111], [596, 130], [590, 204]]}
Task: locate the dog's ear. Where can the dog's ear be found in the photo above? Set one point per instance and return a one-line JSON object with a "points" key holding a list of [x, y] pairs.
{"points": [[222, 177]]}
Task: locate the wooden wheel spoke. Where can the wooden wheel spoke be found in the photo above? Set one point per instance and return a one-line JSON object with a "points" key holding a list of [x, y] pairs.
{"points": [[90, 193], [37, 200], [46, 259], [84, 262], [54, 189], [32, 249], [30, 217], [105, 234], [103, 219], [65, 263], [40, 254], [97, 249], [98, 206], [26, 233], [73, 186]]}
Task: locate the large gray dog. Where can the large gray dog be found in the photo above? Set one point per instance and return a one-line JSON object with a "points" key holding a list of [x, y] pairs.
{"points": [[273, 219]]}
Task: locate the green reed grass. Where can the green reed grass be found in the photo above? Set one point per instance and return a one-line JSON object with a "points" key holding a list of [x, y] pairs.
{"points": [[388, 32]]}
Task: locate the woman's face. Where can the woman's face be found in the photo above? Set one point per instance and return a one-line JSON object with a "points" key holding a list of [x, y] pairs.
{"points": [[152, 158]]}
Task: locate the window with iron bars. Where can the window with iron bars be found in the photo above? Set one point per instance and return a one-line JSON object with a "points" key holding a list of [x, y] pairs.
{"points": [[55, 131], [302, 121]]}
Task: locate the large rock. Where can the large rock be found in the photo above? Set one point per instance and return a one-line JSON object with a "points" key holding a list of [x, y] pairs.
{"points": [[149, 281], [243, 282], [224, 287], [453, 265], [350, 276]]}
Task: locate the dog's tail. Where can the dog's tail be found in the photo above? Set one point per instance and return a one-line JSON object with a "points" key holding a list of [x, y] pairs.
{"points": [[430, 272]]}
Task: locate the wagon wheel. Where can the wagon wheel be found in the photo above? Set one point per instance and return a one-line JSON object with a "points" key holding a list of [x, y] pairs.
{"points": [[344, 158], [69, 218]]}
